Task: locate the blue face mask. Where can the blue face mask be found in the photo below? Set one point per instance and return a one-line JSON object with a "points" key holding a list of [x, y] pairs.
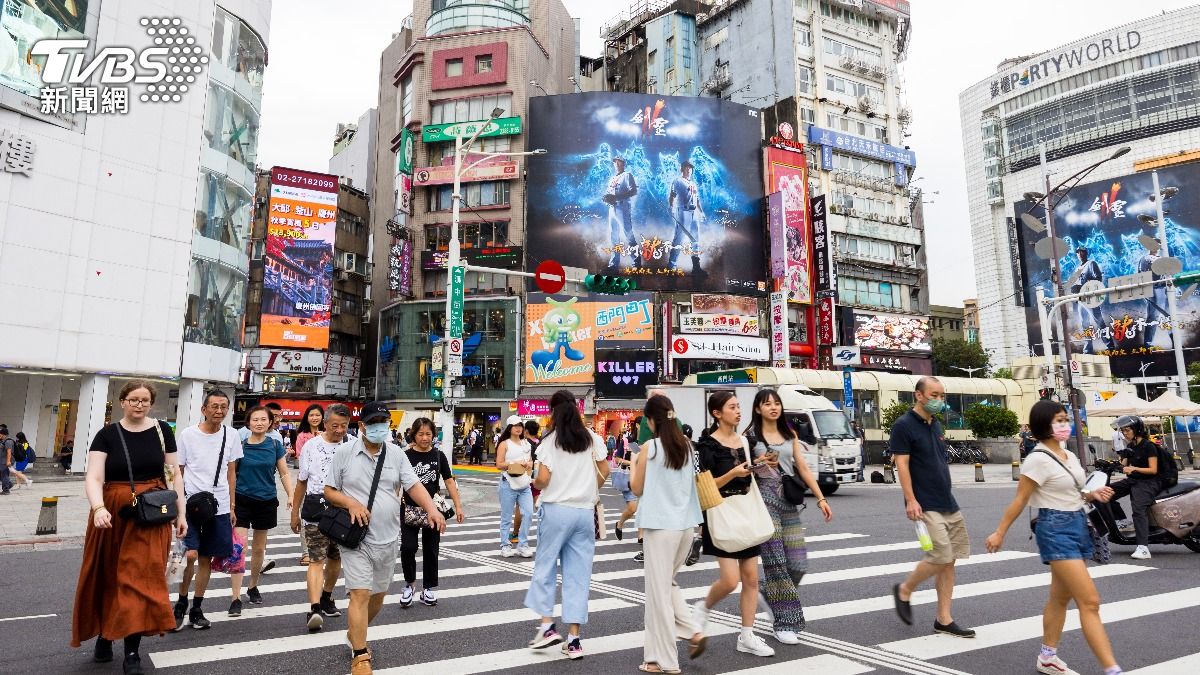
{"points": [[378, 432], [934, 406]]}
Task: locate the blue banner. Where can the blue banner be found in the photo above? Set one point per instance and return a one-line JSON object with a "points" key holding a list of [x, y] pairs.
{"points": [[830, 140]]}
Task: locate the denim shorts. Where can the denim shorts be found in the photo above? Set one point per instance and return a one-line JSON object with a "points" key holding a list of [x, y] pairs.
{"points": [[1063, 535]]}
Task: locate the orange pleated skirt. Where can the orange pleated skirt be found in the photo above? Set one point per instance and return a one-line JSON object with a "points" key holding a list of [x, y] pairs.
{"points": [[122, 587]]}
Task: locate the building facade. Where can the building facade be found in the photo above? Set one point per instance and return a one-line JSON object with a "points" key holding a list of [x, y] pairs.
{"points": [[651, 48], [946, 322], [353, 156], [125, 237], [1135, 85]]}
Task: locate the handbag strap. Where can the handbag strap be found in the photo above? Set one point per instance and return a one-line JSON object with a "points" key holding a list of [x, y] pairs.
{"points": [[220, 457], [128, 461], [378, 473], [1078, 485]]}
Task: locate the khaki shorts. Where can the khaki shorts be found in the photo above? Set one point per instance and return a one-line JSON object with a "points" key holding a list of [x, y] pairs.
{"points": [[318, 546], [369, 567], [949, 534]]}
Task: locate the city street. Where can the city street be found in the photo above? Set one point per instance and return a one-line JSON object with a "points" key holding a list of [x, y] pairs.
{"points": [[480, 624]]}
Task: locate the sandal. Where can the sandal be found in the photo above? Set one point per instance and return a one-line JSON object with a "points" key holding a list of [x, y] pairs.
{"points": [[696, 647], [654, 668], [304, 559]]}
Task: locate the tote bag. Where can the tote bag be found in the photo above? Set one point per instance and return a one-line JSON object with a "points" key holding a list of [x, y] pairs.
{"points": [[740, 521]]}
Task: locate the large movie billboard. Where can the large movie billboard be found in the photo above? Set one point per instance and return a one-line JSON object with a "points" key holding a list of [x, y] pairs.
{"points": [[1102, 219], [661, 188], [298, 262], [562, 333], [787, 176]]}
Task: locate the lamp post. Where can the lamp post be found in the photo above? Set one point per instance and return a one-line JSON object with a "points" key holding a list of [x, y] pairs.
{"points": [[969, 371], [1143, 366]]}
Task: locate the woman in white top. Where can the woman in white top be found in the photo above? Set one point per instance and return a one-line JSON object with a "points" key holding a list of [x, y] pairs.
{"points": [[515, 462], [572, 465], [1052, 481]]}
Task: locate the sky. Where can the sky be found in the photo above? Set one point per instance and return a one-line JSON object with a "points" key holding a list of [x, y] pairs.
{"points": [[316, 79]]}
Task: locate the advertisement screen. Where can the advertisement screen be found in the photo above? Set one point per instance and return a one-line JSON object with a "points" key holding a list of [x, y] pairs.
{"points": [[1102, 219], [23, 23], [562, 333], [625, 373], [892, 332], [298, 261], [664, 189], [787, 176]]}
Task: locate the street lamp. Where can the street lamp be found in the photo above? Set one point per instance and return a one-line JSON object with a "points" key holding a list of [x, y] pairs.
{"points": [[1142, 368], [969, 371]]}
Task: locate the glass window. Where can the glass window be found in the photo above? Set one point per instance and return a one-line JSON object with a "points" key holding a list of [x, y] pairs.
{"points": [[231, 125], [236, 46], [215, 306], [669, 54], [454, 67], [406, 101], [223, 211], [804, 76], [460, 110], [483, 64]]}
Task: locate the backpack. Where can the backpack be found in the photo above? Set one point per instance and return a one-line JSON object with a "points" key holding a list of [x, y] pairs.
{"points": [[1168, 471], [477, 446], [20, 452]]}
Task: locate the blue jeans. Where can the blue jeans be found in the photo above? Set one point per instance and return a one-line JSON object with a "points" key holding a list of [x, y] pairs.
{"points": [[508, 498], [5, 479], [564, 534]]}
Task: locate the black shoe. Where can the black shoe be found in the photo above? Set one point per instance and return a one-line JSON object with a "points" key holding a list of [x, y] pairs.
{"points": [[254, 596], [133, 664], [952, 628], [328, 608], [694, 554], [103, 652], [640, 557], [903, 607], [315, 621], [196, 618], [180, 611], [235, 607], [267, 567], [617, 531]]}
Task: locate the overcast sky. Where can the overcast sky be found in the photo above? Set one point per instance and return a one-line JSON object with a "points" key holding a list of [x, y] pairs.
{"points": [[324, 66]]}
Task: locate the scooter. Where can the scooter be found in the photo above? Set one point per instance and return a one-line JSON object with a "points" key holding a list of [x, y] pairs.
{"points": [[1179, 504]]}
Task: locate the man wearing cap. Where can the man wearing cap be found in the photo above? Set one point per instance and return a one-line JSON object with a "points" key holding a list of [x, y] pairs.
{"points": [[683, 200], [619, 197], [368, 569]]}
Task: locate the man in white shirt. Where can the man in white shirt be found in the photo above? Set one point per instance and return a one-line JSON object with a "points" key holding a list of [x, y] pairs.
{"points": [[208, 453], [1118, 440]]}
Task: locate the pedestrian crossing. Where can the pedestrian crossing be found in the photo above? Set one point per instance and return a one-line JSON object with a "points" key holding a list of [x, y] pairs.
{"points": [[481, 626]]}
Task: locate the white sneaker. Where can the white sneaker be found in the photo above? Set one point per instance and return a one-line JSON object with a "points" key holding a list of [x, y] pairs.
{"points": [[753, 644], [700, 617], [787, 637], [1141, 553], [507, 551], [525, 552], [28, 480], [1053, 666]]}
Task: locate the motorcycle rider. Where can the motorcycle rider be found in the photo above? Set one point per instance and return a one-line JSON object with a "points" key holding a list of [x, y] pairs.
{"points": [[1142, 479]]}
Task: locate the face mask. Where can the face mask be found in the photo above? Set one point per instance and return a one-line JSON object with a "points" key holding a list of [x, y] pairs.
{"points": [[378, 432], [934, 406], [1062, 430]]}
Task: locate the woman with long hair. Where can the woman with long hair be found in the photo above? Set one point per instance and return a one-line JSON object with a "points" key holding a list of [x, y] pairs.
{"points": [[664, 477], [432, 467], [514, 459], [121, 592], [1052, 481], [726, 453], [572, 465], [312, 424], [784, 555], [25, 451]]}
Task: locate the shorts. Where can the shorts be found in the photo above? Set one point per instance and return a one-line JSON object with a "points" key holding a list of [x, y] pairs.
{"points": [[370, 566], [949, 534], [21, 466], [256, 514], [318, 546], [1063, 535], [629, 496], [212, 539]]}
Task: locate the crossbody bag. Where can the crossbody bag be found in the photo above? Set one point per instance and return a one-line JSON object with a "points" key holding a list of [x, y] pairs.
{"points": [[202, 506], [152, 507], [335, 521]]}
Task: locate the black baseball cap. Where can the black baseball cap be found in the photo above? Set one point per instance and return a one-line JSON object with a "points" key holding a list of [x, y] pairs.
{"points": [[374, 410]]}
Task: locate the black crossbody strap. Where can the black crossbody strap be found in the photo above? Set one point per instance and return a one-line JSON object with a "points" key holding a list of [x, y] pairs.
{"points": [[1064, 467], [220, 457], [128, 461], [378, 473]]}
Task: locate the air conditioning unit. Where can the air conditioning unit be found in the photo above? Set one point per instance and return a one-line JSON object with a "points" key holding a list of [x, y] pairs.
{"points": [[366, 317], [343, 275]]}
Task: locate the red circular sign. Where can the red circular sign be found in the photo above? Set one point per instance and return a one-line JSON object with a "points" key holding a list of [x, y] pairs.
{"points": [[680, 346], [550, 276], [786, 131]]}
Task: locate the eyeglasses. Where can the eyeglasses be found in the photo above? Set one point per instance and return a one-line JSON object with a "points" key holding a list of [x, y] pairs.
{"points": [[137, 402]]}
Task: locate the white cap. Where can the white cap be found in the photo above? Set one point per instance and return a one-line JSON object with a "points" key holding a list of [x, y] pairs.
{"points": [[512, 419]]}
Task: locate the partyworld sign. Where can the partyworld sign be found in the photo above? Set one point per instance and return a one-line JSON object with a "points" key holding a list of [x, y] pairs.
{"points": [[1052, 65]]}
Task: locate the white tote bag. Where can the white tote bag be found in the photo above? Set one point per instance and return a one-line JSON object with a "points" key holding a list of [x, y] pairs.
{"points": [[740, 521]]}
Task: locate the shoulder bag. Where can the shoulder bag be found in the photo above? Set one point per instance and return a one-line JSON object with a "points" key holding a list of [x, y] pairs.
{"points": [[599, 526], [1100, 550], [793, 488], [335, 522], [740, 521], [516, 475], [152, 507], [202, 506], [706, 486]]}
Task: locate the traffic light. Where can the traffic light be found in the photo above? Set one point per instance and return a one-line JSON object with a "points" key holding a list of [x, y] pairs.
{"points": [[607, 283]]}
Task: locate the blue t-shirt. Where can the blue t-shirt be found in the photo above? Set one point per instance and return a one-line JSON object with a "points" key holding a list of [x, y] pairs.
{"points": [[256, 469], [923, 443]]}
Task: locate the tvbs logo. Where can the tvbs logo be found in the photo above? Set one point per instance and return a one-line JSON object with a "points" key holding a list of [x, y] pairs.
{"points": [[166, 69]]}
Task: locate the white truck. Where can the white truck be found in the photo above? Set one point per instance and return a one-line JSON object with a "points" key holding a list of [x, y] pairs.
{"points": [[835, 454]]}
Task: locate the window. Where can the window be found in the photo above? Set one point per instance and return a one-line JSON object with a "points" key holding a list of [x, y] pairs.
{"points": [[803, 35], [863, 128], [685, 51], [715, 39], [483, 64], [487, 193], [438, 152], [454, 68], [669, 55], [468, 109], [862, 166], [867, 292], [471, 234], [804, 79], [406, 100], [842, 85]]}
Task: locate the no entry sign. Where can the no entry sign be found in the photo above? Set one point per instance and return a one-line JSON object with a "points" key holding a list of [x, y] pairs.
{"points": [[550, 277]]}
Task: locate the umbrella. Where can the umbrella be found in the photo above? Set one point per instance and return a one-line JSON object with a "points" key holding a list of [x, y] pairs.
{"points": [[1123, 403], [1171, 403]]}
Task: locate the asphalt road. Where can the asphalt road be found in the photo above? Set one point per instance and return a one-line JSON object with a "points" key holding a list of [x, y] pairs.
{"points": [[1152, 608]]}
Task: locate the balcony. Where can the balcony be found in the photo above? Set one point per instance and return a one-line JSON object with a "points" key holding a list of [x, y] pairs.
{"points": [[462, 17]]}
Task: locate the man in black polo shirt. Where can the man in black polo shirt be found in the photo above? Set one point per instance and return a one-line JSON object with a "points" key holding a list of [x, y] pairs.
{"points": [[919, 448]]}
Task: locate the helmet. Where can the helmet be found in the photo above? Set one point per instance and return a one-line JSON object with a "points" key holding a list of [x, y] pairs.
{"points": [[1133, 422]]}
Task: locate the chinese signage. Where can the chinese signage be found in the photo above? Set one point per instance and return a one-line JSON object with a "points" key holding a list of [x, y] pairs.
{"points": [[438, 133], [1052, 65], [444, 175], [625, 373], [847, 390], [891, 332], [292, 409], [281, 361], [491, 256], [825, 321], [539, 407], [727, 324], [787, 176], [16, 153], [458, 278], [340, 365], [400, 267], [298, 260], [404, 185], [563, 331], [404, 156], [826, 277], [709, 303], [901, 364], [780, 345], [831, 140], [741, 376], [1014, 253], [732, 347]]}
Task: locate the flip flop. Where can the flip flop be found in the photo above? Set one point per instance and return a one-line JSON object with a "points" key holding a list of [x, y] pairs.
{"points": [[696, 648]]}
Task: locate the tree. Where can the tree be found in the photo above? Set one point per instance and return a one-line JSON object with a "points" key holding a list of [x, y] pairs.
{"points": [[990, 421], [892, 413], [950, 352], [1193, 372], [1003, 373]]}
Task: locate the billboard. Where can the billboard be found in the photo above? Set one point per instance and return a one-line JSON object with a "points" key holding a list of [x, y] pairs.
{"points": [[562, 333], [665, 189], [787, 176], [625, 373], [298, 261], [400, 261], [1102, 218], [24, 23], [729, 347], [892, 332]]}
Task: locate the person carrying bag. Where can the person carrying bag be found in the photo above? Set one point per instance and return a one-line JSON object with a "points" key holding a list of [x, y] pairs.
{"points": [[336, 522]]}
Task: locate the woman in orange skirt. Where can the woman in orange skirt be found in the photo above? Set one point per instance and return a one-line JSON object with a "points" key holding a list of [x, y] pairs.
{"points": [[122, 591]]}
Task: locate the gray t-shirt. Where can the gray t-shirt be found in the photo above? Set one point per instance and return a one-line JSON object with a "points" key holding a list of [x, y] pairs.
{"points": [[351, 473]]}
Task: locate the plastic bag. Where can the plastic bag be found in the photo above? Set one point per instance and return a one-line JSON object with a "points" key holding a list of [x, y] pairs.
{"points": [[176, 561], [235, 562]]}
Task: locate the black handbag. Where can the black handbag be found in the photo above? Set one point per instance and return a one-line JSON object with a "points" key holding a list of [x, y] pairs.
{"points": [[335, 522], [793, 489], [202, 506], [152, 507], [312, 507]]}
